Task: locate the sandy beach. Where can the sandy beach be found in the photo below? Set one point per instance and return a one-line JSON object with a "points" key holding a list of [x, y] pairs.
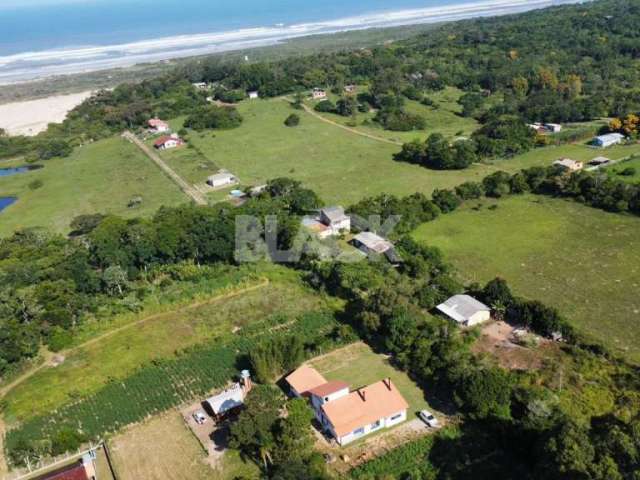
{"points": [[32, 117]]}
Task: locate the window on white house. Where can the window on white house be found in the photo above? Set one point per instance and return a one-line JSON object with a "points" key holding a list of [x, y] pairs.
{"points": [[376, 424], [395, 417], [358, 432]]}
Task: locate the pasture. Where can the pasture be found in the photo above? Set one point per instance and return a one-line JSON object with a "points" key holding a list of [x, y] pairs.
{"points": [[442, 117], [339, 165], [102, 177], [159, 449], [583, 261], [120, 352], [633, 163]]}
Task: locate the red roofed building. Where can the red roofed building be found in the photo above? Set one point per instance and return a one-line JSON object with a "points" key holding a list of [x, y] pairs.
{"points": [[81, 470], [345, 415], [158, 126], [167, 142]]}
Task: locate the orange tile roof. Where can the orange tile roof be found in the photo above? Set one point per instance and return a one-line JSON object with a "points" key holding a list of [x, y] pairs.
{"points": [[304, 379], [381, 399], [328, 388]]}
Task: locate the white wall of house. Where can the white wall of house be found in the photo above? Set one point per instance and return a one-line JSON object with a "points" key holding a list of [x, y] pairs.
{"points": [[169, 144], [317, 402], [386, 422], [479, 317]]}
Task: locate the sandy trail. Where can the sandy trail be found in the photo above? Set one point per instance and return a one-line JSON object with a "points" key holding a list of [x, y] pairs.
{"points": [[32, 116]]}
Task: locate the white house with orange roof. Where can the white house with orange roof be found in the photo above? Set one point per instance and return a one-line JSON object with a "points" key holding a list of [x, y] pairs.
{"points": [[349, 415]]}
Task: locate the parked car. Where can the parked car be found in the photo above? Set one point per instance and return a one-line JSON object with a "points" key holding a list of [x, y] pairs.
{"points": [[199, 417], [427, 417]]}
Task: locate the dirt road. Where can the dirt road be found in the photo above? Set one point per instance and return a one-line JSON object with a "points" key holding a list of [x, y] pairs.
{"points": [[188, 190]]}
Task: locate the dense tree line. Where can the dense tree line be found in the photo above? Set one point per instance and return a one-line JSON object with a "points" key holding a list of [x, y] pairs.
{"points": [[49, 284]]}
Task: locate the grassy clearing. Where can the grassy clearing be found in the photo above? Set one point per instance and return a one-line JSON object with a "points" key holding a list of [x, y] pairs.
{"points": [[160, 449], [89, 367], [100, 177], [581, 260], [443, 118], [615, 170], [341, 166], [359, 366]]}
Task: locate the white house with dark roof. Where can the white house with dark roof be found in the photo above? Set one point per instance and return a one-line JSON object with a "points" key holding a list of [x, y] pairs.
{"points": [[331, 221], [465, 310]]}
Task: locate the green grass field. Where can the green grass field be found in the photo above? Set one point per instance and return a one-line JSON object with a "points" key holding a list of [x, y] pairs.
{"points": [[442, 118], [101, 177], [584, 261], [615, 170], [88, 367], [341, 166]]}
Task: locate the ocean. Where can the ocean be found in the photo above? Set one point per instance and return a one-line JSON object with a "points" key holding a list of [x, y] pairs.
{"points": [[40, 38]]}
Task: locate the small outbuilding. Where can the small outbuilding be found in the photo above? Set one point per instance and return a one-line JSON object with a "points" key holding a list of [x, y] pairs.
{"points": [[230, 400], [465, 310], [608, 140], [600, 161], [253, 95], [569, 164], [158, 126], [318, 94], [222, 179]]}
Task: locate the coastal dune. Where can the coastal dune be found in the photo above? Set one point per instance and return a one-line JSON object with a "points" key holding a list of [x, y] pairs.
{"points": [[32, 117]]}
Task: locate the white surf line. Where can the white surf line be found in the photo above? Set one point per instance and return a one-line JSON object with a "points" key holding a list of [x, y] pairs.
{"points": [[90, 58]]}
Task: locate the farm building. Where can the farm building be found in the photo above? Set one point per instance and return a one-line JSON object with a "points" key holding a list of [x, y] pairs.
{"points": [[168, 142], [158, 126], [553, 127], [331, 221], [568, 164], [83, 469], [599, 161], [372, 244], [318, 94], [350, 89], [604, 141], [254, 95], [222, 179], [230, 400], [348, 415], [201, 86], [465, 310]]}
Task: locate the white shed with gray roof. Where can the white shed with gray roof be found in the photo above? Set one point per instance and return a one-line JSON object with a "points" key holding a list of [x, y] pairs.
{"points": [[465, 310]]}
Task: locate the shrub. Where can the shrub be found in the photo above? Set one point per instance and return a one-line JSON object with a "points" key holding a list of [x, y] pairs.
{"points": [[292, 120], [325, 106], [628, 172], [36, 184]]}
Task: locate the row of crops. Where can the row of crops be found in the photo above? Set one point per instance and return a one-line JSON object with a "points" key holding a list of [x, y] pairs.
{"points": [[164, 384], [408, 461]]}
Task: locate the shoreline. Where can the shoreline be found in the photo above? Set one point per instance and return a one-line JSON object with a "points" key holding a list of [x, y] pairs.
{"points": [[32, 66], [31, 117]]}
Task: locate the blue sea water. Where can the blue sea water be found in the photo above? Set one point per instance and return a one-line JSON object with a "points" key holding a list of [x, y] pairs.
{"points": [[49, 37], [106, 22]]}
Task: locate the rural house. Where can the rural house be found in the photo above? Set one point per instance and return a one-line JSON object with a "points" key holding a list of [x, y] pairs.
{"points": [[168, 142], [604, 141], [158, 126], [229, 401], [465, 310], [222, 179], [568, 164], [346, 415], [201, 86], [318, 94], [254, 95], [331, 221], [350, 89]]}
